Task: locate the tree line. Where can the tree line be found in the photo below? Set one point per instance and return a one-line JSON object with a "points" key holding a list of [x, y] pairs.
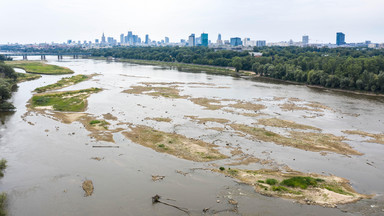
{"points": [[8, 79], [345, 68]]}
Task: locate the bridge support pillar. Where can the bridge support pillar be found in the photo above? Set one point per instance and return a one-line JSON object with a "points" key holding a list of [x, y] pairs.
{"points": [[59, 57], [25, 57], [42, 57]]}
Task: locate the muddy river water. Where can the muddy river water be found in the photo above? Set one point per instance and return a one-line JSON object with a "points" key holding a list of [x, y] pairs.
{"points": [[48, 160]]}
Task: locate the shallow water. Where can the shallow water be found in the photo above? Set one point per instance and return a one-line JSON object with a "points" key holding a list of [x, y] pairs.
{"points": [[48, 160]]}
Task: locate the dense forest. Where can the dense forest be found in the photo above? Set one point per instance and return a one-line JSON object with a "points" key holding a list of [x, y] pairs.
{"points": [[345, 68], [7, 81]]}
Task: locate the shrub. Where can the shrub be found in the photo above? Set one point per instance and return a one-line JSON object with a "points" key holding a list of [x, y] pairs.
{"points": [[222, 168], [301, 182], [271, 181]]}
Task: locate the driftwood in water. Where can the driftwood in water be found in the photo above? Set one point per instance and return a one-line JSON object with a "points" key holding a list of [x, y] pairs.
{"points": [[156, 199]]}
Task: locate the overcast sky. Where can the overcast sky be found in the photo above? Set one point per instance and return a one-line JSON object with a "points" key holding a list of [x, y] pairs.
{"points": [[29, 21]]}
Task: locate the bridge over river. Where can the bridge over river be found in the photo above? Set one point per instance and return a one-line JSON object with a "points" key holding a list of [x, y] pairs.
{"points": [[59, 55]]}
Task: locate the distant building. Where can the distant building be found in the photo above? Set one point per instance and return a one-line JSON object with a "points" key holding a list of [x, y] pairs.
{"points": [[191, 40], [97, 41], [261, 43], [130, 38], [219, 41], [103, 39], [246, 41], [146, 39], [166, 40], [122, 38], [236, 41], [340, 38], [69, 41], [305, 40], [204, 39]]}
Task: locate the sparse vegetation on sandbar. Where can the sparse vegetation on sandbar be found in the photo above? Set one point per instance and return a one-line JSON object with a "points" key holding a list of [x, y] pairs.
{"points": [[174, 144], [64, 82], [305, 188], [302, 140], [39, 67], [74, 101], [21, 77], [275, 122], [375, 138]]}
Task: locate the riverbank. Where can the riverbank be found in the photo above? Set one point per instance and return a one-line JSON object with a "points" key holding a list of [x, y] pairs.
{"points": [[230, 72], [181, 66]]}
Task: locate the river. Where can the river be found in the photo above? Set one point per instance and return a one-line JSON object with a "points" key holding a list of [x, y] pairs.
{"points": [[48, 160]]}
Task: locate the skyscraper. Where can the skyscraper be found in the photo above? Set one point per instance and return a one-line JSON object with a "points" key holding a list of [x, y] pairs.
{"points": [[122, 38], [340, 38], [305, 40], [191, 40], [103, 39], [146, 39], [204, 39], [167, 40], [236, 41], [219, 41], [130, 38]]}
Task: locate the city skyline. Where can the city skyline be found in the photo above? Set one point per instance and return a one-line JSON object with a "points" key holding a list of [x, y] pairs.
{"points": [[275, 20]]}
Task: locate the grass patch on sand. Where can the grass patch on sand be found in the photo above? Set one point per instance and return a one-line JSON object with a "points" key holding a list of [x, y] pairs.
{"points": [[302, 140], [210, 104], [205, 120], [22, 77], [156, 91], [39, 67], [376, 138], [64, 82], [248, 106], [274, 122], [174, 144], [301, 182], [99, 124], [159, 119], [74, 101], [312, 189]]}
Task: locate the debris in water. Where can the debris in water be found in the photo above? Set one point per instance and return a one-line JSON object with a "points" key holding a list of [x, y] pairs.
{"points": [[88, 187], [157, 178], [156, 199]]}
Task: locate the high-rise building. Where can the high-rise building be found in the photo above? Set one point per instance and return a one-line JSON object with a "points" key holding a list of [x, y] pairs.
{"points": [[69, 41], [219, 41], [261, 43], [340, 38], [305, 40], [97, 41], [122, 38], [191, 40], [167, 40], [236, 41], [204, 39], [146, 39], [103, 39], [130, 38], [246, 42]]}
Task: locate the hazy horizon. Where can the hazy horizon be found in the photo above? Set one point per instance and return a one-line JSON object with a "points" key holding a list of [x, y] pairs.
{"points": [[40, 21]]}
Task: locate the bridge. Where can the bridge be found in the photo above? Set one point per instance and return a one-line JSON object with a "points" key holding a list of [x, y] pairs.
{"points": [[59, 55]]}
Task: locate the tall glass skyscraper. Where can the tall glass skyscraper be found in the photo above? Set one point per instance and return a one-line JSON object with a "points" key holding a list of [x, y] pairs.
{"points": [[340, 38], [204, 39]]}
